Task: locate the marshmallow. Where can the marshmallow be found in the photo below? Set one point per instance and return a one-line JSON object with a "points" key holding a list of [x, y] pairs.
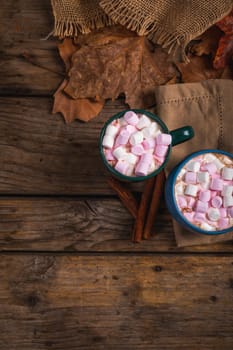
{"points": [[131, 158], [193, 166], [146, 132], [130, 170], [122, 138], [214, 214], [144, 164], [228, 201], [216, 184], [223, 223], [119, 152], [188, 216], [216, 202], [182, 201], [136, 137], [223, 212], [191, 201], [149, 143], [108, 141], [201, 207], [153, 166], [179, 188], [227, 173], [210, 167], [160, 160], [230, 212], [202, 176], [218, 164], [181, 173], [161, 150], [164, 139], [138, 150], [131, 118], [191, 190], [204, 196], [154, 129], [209, 157], [227, 190], [207, 227], [109, 155], [111, 130], [121, 166], [143, 122], [190, 177], [199, 217]]}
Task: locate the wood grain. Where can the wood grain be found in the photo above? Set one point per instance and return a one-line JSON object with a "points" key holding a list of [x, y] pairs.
{"points": [[113, 302], [40, 154], [82, 224], [24, 23]]}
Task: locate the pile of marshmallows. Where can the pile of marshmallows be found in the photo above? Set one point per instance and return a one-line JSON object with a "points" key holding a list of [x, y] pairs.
{"points": [[204, 191], [135, 145]]}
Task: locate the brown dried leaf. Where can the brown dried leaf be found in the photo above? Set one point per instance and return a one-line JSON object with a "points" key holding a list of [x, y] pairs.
{"points": [[66, 50], [207, 43], [82, 109], [106, 68], [199, 68]]}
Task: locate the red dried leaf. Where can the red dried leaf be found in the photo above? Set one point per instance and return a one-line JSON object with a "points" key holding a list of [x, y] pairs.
{"points": [[224, 52]]}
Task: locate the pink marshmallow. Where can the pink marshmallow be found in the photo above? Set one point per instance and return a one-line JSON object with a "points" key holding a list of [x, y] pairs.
{"points": [[190, 177], [216, 184], [122, 138], [191, 201], [148, 143], [204, 196], [216, 202], [223, 223], [223, 212], [213, 194], [182, 201], [159, 160], [161, 150], [138, 150], [109, 155], [199, 217], [131, 129], [189, 216], [122, 166], [201, 207], [144, 164], [164, 139], [210, 167], [131, 118]]}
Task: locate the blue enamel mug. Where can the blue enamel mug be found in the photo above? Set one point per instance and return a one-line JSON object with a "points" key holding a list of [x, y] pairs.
{"points": [[170, 196]]}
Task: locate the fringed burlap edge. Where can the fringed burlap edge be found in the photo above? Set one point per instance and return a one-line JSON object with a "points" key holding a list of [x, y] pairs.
{"points": [[65, 28], [145, 26]]}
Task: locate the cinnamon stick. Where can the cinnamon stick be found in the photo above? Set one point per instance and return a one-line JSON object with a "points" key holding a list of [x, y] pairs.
{"points": [[125, 195], [154, 205], [142, 211]]}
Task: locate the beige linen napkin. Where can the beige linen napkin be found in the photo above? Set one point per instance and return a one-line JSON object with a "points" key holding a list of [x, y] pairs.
{"points": [[208, 107]]}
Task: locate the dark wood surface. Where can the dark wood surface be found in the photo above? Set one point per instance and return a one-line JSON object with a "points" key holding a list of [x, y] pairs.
{"points": [[70, 276]]}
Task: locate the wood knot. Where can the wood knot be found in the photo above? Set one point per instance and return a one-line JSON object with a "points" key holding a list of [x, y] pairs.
{"points": [[213, 298], [33, 300], [157, 268]]}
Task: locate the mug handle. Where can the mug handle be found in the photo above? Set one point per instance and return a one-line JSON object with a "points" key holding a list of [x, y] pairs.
{"points": [[181, 135]]}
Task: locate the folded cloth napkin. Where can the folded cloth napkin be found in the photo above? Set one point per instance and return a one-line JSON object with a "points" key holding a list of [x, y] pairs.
{"points": [[208, 107], [170, 23]]}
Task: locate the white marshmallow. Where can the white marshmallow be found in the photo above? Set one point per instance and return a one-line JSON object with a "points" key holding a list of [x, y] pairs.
{"points": [[181, 174], [130, 170], [153, 166], [147, 132], [130, 158], [155, 129], [218, 164], [179, 189], [228, 201], [193, 166], [227, 190], [207, 227], [227, 173], [202, 176], [214, 214], [111, 130], [144, 122], [108, 141], [136, 137], [209, 157], [191, 190], [119, 152]]}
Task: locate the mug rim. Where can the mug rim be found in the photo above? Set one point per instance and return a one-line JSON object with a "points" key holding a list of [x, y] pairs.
{"points": [[117, 173], [176, 172]]}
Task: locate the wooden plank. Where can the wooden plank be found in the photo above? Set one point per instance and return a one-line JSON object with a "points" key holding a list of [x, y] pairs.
{"points": [[40, 154], [24, 23], [113, 302], [78, 225]]}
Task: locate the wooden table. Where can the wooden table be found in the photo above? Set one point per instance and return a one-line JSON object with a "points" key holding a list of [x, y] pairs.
{"points": [[70, 277]]}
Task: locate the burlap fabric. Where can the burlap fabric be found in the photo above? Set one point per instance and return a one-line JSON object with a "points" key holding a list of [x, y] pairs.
{"points": [[170, 23], [208, 107]]}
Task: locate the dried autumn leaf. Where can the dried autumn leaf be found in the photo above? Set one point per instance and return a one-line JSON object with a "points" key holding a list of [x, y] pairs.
{"points": [[224, 52], [199, 68], [82, 109], [207, 43], [127, 65]]}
